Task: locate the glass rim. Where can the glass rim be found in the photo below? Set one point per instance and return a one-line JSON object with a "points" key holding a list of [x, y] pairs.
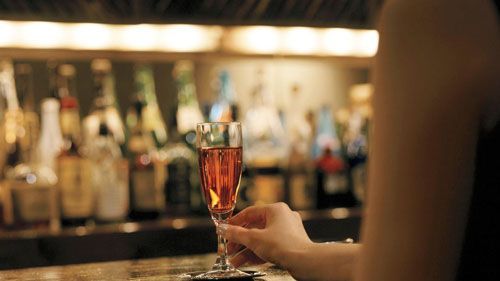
{"points": [[218, 123]]}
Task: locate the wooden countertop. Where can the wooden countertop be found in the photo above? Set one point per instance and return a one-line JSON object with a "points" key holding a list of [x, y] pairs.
{"points": [[145, 269]]}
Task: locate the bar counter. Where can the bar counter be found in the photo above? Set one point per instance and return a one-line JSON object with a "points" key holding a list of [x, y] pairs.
{"points": [[145, 269], [166, 237]]}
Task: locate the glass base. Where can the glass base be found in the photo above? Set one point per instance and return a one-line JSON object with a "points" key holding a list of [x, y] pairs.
{"points": [[218, 274], [222, 271]]}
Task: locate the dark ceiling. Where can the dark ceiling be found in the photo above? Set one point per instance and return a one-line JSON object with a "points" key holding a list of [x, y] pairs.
{"points": [[328, 13]]}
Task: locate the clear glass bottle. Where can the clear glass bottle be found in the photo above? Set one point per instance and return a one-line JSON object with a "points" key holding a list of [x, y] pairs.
{"points": [[104, 145], [109, 176], [105, 103], [182, 187], [73, 169], [266, 146], [266, 141]]}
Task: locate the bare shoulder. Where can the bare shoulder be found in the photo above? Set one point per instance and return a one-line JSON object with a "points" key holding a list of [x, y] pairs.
{"points": [[452, 44]]}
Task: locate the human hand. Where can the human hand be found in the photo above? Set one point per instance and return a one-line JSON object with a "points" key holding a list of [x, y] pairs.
{"points": [[271, 233]]}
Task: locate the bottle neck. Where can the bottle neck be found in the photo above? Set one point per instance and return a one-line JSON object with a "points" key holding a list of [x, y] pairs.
{"points": [[8, 88], [70, 128]]}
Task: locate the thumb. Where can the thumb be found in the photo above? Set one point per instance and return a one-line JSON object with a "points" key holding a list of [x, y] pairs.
{"points": [[239, 235]]}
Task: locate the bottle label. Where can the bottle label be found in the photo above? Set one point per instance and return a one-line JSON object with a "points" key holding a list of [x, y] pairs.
{"points": [[335, 183], [144, 188], [75, 186], [268, 189], [33, 203], [178, 183], [110, 181]]}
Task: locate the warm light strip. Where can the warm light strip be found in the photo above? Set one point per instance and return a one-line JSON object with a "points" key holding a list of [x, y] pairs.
{"points": [[189, 38], [93, 36]]}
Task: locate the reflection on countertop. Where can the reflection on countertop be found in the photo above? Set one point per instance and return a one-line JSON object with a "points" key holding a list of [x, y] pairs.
{"points": [[149, 269]]}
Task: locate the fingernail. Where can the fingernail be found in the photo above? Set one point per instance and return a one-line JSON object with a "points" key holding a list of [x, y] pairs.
{"points": [[222, 229]]}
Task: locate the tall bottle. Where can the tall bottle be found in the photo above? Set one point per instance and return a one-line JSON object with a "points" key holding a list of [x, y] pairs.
{"points": [[331, 170], [30, 187], [73, 169], [299, 162], [266, 146], [224, 109], [182, 186], [104, 104], [31, 121], [104, 143], [147, 135]]}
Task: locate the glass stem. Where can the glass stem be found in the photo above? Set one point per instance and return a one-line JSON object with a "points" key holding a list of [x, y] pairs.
{"points": [[222, 252]]}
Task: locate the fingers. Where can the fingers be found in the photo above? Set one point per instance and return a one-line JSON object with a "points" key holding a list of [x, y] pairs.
{"points": [[245, 257], [240, 235], [250, 215]]}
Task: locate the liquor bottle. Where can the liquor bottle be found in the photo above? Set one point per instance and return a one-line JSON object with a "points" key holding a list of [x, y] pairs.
{"points": [[299, 165], [356, 143], [332, 180], [105, 103], [182, 187], [31, 121], [356, 136], [104, 145], [224, 109], [73, 170], [109, 176], [30, 187], [146, 195], [145, 90], [266, 146]]}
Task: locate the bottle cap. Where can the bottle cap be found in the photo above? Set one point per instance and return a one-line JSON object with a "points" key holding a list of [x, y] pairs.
{"points": [[102, 65], [66, 70], [69, 102], [50, 105]]}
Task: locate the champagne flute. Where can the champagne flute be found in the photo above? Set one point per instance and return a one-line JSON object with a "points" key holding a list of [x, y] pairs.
{"points": [[220, 160]]}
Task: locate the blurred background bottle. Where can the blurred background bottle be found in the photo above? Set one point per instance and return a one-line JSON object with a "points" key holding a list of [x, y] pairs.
{"points": [[332, 178], [182, 189], [147, 135], [73, 169], [31, 121], [105, 146], [300, 135], [265, 145], [104, 104]]}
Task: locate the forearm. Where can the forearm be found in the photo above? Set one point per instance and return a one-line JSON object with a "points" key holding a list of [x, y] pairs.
{"points": [[320, 261]]}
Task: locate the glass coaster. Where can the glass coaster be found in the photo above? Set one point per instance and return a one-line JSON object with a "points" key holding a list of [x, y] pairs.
{"points": [[252, 274]]}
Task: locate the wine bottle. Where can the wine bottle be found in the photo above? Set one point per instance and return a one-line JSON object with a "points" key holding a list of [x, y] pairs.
{"points": [[182, 186], [333, 189], [146, 196], [153, 122], [73, 169]]}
